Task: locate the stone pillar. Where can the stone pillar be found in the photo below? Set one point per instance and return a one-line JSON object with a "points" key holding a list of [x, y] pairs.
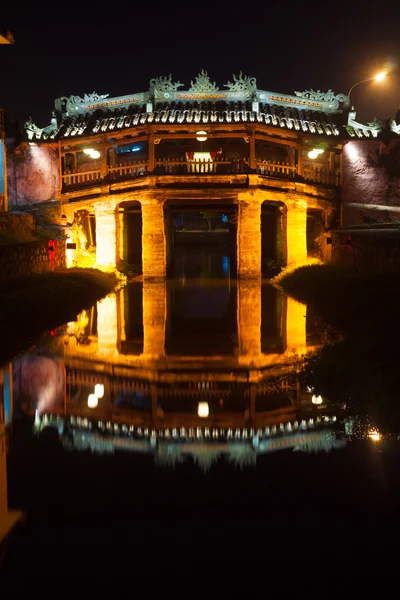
{"points": [[153, 240], [296, 314], [249, 317], [154, 318], [106, 238], [249, 236], [296, 232], [122, 237]]}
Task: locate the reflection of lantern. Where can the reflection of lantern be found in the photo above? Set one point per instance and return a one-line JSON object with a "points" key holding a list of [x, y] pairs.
{"points": [[202, 409], [316, 399], [99, 390], [92, 401], [374, 435]]}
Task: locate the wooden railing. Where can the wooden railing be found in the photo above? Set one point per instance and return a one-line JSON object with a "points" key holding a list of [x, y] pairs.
{"points": [[125, 170], [321, 176], [81, 178], [180, 166], [276, 169]]}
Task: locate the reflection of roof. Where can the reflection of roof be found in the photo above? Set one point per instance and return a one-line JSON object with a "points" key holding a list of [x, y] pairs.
{"points": [[203, 445]]}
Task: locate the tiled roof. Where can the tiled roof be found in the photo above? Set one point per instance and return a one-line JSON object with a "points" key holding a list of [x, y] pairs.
{"points": [[202, 113]]}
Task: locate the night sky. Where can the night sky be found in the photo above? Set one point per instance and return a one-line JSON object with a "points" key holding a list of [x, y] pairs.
{"points": [[287, 46]]}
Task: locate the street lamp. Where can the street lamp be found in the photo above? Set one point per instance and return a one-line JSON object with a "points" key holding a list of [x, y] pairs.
{"points": [[378, 77]]}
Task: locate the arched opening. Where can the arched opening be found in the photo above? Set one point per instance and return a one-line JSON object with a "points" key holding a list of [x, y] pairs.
{"points": [[200, 240], [272, 239], [315, 227], [129, 237]]}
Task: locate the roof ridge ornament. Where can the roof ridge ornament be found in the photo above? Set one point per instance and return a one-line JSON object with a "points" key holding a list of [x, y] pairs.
{"points": [[328, 96], [243, 83], [203, 85], [75, 103], [162, 87]]}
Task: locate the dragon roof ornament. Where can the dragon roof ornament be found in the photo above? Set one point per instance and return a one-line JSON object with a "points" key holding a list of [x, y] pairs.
{"points": [[246, 85], [162, 87]]}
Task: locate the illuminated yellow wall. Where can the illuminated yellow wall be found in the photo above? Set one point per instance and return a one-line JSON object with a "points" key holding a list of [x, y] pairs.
{"points": [[154, 318], [249, 236], [153, 240], [106, 239], [296, 232]]}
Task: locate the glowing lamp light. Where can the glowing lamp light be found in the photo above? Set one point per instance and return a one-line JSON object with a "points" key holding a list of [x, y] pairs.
{"points": [[203, 409], [374, 435], [99, 390], [201, 136], [92, 401], [316, 399], [380, 76], [314, 153], [92, 153]]}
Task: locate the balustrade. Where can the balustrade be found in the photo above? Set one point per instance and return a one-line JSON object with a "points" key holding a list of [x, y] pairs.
{"points": [[276, 169], [181, 166], [84, 177], [127, 169]]}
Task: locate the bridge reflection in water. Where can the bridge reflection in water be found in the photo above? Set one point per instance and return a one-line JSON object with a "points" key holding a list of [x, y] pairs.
{"points": [[178, 368]]}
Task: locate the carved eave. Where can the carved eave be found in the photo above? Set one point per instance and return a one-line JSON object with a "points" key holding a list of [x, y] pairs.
{"points": [[36, 133], [360, 130]]}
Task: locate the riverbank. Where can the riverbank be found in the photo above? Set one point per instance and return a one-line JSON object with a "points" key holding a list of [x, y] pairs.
{"points": [[31, 305], [359, 367]]}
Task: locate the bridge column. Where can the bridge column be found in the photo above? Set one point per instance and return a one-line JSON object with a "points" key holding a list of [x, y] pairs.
{"points": [[153, 239], [249, 317], [296, 232], [106, 236], [249, 236], [122, 237], [154, 317]]}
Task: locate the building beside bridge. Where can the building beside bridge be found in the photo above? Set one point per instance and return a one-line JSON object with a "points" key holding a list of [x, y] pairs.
{"points": [[128, 172]]}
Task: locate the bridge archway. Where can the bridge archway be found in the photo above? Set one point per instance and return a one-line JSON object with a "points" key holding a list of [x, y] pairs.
{"points": [[272, 238], [129, 236], [201, 239]]}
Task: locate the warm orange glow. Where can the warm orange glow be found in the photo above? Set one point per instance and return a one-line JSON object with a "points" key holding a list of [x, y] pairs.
{"points": [[154, 318], [106, 240], [374, 435], [153, 240], [296, 327], [249, 317], [380, 76], [107, 325], [296, 235]]}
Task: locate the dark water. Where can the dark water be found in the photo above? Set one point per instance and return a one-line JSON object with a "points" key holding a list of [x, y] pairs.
{"points": [[138, 462]]}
